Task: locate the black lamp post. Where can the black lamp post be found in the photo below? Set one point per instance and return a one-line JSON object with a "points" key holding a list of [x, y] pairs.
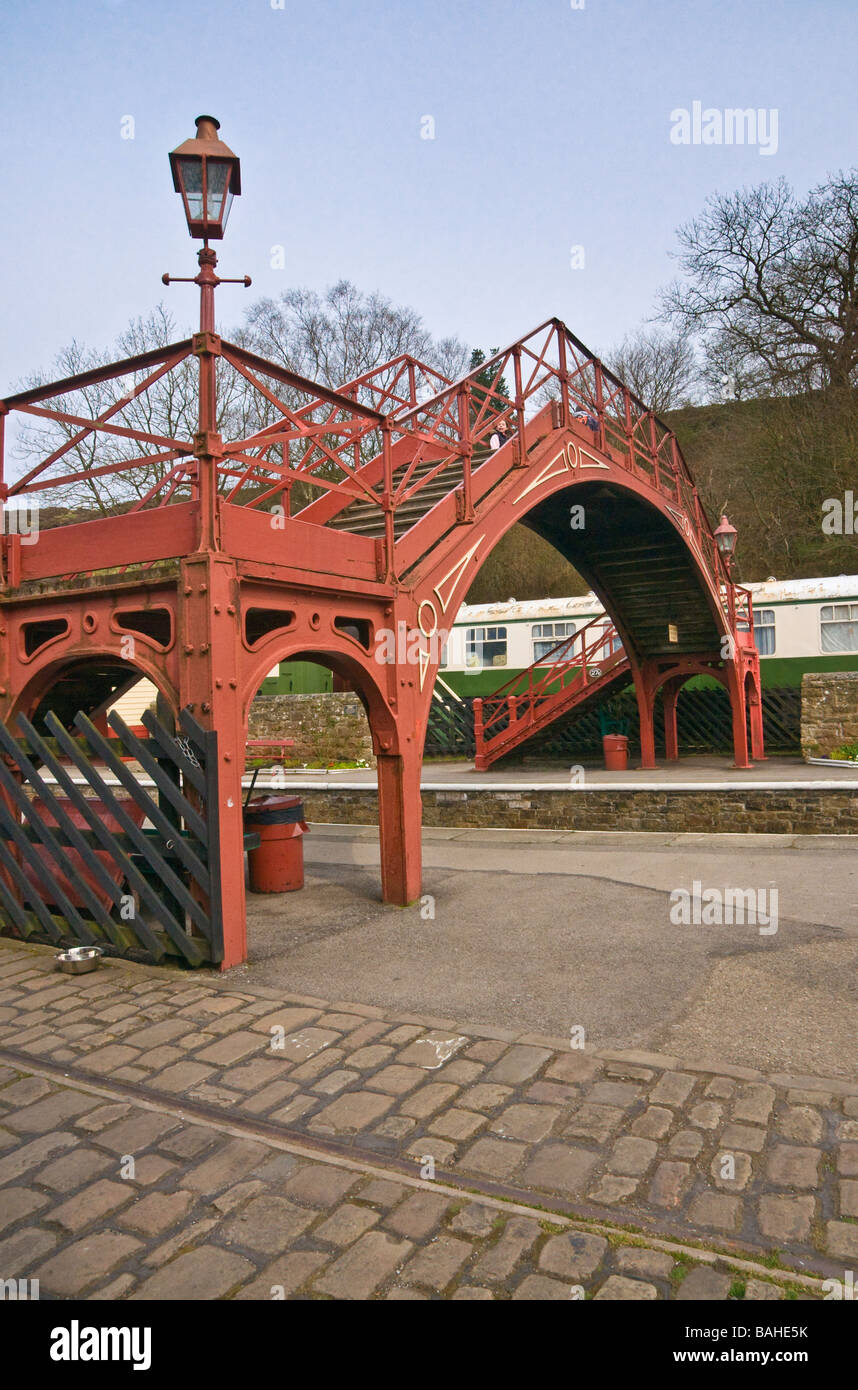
{"points": [[208, 176]]}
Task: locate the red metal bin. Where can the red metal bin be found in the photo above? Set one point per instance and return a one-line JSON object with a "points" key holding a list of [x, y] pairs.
{"points": [[277, 864], [616, 750]]}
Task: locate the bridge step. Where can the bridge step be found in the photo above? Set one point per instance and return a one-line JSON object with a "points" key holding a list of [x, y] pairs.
{"points": [[365, 519]]}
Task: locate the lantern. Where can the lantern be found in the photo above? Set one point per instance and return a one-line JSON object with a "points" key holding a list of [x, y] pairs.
{"points": [[208, 176]]}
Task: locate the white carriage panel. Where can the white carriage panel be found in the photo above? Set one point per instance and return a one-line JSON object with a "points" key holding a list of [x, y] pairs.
{"points": [[132, 704], [797, 630]]}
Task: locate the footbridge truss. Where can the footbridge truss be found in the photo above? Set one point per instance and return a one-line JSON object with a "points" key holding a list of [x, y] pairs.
{"points": [[345, 526]]}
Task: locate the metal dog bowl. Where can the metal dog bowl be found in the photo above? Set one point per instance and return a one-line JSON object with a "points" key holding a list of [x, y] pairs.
{"points": [[79, 960]]}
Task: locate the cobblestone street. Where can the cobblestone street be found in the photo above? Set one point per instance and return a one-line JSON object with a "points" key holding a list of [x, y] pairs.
{"points": [[167, 1136]]}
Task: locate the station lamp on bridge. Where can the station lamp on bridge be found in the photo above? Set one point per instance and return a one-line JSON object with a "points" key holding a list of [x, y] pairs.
{"points": [[208, 176], [725, 539]]}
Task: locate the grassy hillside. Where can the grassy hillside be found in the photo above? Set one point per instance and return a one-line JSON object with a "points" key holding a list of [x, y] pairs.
{"points": [[769, 463]]}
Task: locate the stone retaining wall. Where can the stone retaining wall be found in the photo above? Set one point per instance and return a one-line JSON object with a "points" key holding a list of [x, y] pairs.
{"points": [[327, 728], [829, 711], [795, 810]]}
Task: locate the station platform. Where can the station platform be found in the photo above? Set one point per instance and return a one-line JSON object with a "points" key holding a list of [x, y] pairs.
{"points": [[782, 796]]}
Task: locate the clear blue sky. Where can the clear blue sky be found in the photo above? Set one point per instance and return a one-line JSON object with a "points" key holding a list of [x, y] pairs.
{"points": [[552, 129]]}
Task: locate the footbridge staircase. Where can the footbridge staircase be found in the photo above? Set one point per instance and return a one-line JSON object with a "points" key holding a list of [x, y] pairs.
{"points": [[581, 670]]}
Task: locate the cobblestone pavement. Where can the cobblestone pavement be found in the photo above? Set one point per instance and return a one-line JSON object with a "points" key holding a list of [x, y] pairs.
{"points": [[168, 1136]]}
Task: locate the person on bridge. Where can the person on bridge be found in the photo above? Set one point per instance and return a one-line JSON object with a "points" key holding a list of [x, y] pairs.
{"points": [[500, 436], [579, 413]]}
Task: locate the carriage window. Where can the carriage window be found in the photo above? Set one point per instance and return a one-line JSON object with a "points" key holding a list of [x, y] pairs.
{"points": [[839, 627], [609, 646], [547, 635], [485, 646], [764, 630]]}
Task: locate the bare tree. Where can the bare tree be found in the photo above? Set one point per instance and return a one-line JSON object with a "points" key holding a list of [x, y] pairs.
{"points": [[771, 286], [336, 337], [331, 340], [660, 367]]}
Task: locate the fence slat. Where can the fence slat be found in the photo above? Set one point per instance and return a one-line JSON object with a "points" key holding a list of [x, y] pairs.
{"points": [[111, 843]]}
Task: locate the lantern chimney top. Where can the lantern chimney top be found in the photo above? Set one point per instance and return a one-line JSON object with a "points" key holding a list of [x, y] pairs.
{"points": [[207, 126]]}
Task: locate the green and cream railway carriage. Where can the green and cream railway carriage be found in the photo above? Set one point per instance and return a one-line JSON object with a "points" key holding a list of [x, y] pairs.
{"points": [[800, 625]]}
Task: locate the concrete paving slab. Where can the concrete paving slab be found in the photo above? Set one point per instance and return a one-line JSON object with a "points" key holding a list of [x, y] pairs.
{"points": [[820, 887], [540, 937]]}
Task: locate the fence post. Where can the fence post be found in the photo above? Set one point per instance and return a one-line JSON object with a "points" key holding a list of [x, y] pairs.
{"points": [[387, 501], [674, 463], [630, 432], [653, 448], [600, 402], [479, 756], [4, 491]]}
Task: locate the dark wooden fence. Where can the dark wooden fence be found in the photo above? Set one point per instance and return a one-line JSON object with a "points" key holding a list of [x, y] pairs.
{"points": [[704, 725], [89, 856]]}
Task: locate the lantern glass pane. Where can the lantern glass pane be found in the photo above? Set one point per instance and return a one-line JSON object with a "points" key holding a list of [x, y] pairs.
{"points": [[191, 176], [217, 180]]}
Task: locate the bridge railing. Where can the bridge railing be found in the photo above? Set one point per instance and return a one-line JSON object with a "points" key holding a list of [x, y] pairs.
{"points": [[120, 437], [382, 438], [584, 656], [508, 388], [743, 613], [332, 441]]}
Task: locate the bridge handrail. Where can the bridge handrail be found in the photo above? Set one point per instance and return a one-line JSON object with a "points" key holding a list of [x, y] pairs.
{"points": [[337, 443], [561, 659]]}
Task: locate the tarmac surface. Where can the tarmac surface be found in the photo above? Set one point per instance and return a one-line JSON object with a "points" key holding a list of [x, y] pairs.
{"points": [[546, 931]]}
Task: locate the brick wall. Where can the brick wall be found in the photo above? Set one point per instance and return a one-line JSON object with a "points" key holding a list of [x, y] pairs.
{"points": [[327, 728], [794, 810], [829, 711]]}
